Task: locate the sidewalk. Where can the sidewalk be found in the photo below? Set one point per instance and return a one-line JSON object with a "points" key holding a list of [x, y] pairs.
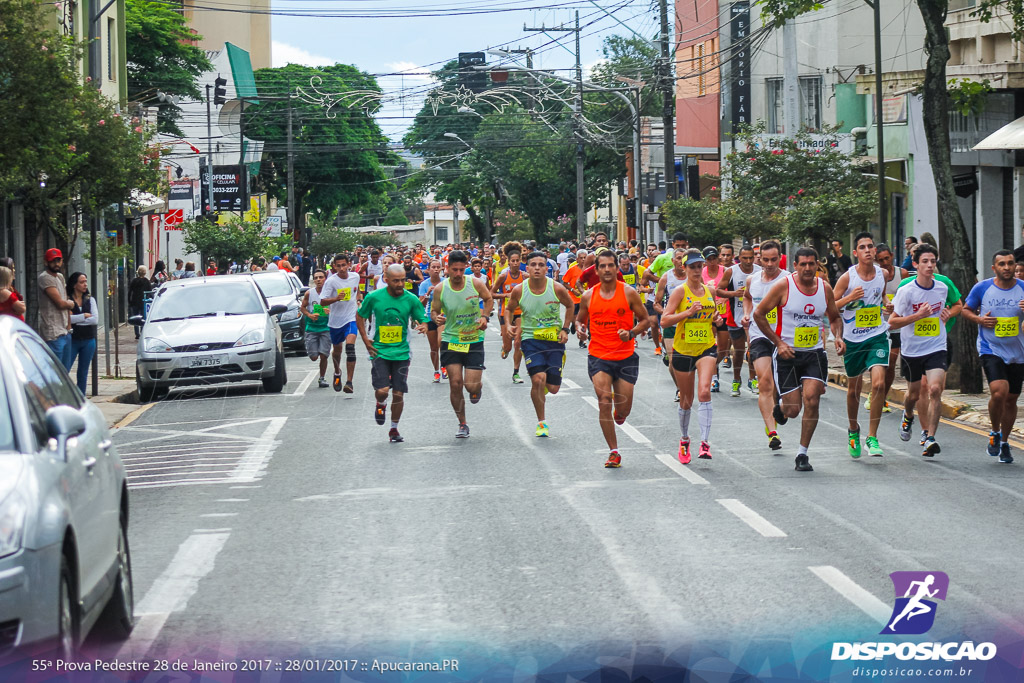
{"points": [[116, 397]]}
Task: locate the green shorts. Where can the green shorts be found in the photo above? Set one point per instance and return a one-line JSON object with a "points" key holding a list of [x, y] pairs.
{"points": [[860, 356]]}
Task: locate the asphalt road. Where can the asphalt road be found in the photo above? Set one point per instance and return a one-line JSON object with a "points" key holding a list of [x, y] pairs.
{"points": [[278, 525]]}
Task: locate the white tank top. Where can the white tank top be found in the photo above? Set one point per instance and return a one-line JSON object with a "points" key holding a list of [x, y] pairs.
{"points": [[739, 281], [862, 319], [671, 282], [759, 288], [803, 315]]}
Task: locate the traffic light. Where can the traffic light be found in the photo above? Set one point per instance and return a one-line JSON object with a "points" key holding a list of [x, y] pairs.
{"points": [[220, 90], [631, 214], [470, 78]]}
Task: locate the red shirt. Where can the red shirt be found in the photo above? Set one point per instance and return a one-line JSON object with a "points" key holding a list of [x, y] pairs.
{"points": [[589, 277], [211, 271], [7, 307]]}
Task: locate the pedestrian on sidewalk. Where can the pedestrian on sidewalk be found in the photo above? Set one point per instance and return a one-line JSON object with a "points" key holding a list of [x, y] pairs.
{"points": [[837, 262], [83, 326], [190, 270], [11, 302], [137, 289], [179, 269], [54, 326]]}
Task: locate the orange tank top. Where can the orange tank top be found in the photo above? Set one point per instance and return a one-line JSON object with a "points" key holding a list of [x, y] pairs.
{"points": [[510, 284], [607, 317]]}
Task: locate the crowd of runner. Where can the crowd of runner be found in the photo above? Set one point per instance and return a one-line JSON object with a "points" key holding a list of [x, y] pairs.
{"points": [[703, 311]]}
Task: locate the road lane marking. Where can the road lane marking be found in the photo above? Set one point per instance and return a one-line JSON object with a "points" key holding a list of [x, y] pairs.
{"points": [[860, 597], [631, 431], [751, 518], [681, 469], [232, 500], [131, 417], [569, 384], [220, 514], [307, 380]]}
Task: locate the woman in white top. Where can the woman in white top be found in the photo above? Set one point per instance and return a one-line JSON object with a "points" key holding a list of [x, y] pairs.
{"points": [[83, 326]]}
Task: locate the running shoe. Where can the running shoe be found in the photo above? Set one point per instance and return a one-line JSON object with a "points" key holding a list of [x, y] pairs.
{"points": [[322, 383], [378, 413], [542, 429], [853, 444], [657, 352], [1004, 453], [752, 385], [803, 464], [705, 451], [516, 379], [867, 403], [774, 442], [504, 353], [714, 385], [924, 436], [874, 450], [583, 345], [348, 389], [735, 389], [930, 447], [905, 426], [437, 378], [684, 451], [463, 432], [665, 360], [727, 363], [337, 382], [676, 399], [993, 443], [394, 436], [614, 460], [886, 408], [780, 417], [444, 373], [618, 420]]}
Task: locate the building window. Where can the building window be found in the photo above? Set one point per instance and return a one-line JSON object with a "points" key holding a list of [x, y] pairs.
{"points": [[442, 233], [810, 102], [773, 105], [111, 50]]}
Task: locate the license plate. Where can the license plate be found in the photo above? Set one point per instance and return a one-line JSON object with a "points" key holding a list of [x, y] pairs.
{"points": [[205, 361]]}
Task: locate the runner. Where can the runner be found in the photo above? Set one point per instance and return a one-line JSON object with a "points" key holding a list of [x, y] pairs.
{"points": [[392, 309], [506, 281], [860, 297], [801, 366], [647, 289], [712, 275], [571, 277], [413, 273], [372, 270], [893, 276], [456, 306], [726, 259], [433, 335], [733, 286], [663, 262], [543, 332], [692, 306], [666, 285], [761, 349], [919, 311], [608, 312], [342, 289], [317, 334], [1000, 346]]}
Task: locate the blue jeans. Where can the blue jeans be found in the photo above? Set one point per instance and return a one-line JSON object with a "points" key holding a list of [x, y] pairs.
{"points": [[84, 350], [61, 347]]}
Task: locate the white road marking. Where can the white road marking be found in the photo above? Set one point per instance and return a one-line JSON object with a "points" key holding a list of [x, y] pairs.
{"points": [[232, 500], [751, 518], [631, 431], [569, 384], [220, 514], [301, 389], [681, 469], [257, 486], [845, 586]]}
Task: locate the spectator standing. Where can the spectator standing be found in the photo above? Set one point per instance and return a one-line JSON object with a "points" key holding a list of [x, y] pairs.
{"points": [[305, 266], [837, 262], [563, 261], [211, 267], [137, 289], [11, 302], [83, 327], [908, 262], [159, 274], [54, 307], [179, 269], [190, 270]]}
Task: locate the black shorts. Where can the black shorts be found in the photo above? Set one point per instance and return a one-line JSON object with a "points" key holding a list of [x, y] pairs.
{"points": [[626, 369], [998, 369], [790, 373], [390, 373], [649, 305], [895, 338], [544, 356], [681, 363], [913, 369], [501, 319], [431, 326], [760, 348], [737, 333], [473, 359], [721, 326]]}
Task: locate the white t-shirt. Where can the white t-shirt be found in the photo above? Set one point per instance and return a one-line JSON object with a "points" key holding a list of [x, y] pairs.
{"points": [[927, 335], [342, 312], [272, 266], [563, 263]]}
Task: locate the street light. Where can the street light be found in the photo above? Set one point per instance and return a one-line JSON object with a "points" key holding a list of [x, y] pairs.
{"points": [[467, 110], [453, 135]]}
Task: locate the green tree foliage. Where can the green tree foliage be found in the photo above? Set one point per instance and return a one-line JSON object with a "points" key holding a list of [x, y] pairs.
{"points": [[633, 58], [162, 57], [234, 240], [331, 239], [340, 153], [396, 217]]}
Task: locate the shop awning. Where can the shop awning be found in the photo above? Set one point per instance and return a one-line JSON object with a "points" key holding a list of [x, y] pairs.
{"points": [[1010, 136]]}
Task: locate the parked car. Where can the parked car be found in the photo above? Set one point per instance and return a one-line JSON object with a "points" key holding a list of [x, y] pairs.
{"points": [[65, 565], [209, 329], [284, 288]]}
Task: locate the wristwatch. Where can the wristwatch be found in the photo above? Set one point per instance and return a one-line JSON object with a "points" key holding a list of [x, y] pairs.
{"points": [[565, 329]]}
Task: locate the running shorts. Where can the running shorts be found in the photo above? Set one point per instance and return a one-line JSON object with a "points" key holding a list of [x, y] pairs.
{"points": [[914, 368], [472, 359], [392, 374], [760, 348], [431, 326], [861, 356], [338, 334], [998, 369], [627, 369], [737, 333], [544, 356], [790, 373], [895, 340], [318, 343], [681, 363]]}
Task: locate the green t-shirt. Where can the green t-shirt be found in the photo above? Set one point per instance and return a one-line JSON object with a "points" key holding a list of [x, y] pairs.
{"points": [[391, 316], [662, 264], [952, 294]]}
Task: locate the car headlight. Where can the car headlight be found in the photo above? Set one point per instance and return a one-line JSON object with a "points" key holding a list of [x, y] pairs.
{"points": [[154, 345], [290, 314], [249, 338], [12, 523]]}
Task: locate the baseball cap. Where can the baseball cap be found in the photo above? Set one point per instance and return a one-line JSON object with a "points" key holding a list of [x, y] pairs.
{"points": [[276, 258], [52, 254], [710, 252], [694, 258]]}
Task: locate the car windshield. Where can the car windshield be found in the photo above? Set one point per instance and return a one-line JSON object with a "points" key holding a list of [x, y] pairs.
{"points": [[207, 300], [6, 422], [271, 285]]}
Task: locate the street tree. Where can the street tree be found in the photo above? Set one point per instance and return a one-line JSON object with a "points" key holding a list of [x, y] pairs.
{"points": [[234, 240]]}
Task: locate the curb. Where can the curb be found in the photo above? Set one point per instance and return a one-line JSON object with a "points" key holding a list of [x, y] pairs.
{"points": [[951, 409]]}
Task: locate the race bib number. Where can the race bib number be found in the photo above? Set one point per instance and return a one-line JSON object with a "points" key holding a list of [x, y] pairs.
{"points": [[344, 295], [317, 308], [870, 316], [362, 286], [408, 285], [697, 333], [806, 337], [723, 308], [546, 334], [1007, 327], [391, 334], [927, 327], [890, 297], [773, 316], [629, 279], [459, 348]]}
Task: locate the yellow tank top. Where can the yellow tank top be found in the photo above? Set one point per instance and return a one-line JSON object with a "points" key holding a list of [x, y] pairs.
{"points": [[695, 335]]}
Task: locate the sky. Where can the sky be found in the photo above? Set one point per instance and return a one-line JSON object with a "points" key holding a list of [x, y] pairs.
{"points": [[416, 45]]}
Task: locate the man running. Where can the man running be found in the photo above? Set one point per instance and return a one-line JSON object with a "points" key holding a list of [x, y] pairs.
{"points": [[456, 306], [341, 292], [803, 302], [733, 286], [543, 330], [433, 335], [919, 311], [996, 306], [392, 308], [318, 334], [761, 349], [607, 312], [571, 277], [860, 297], [506, 281], [893, 276]]}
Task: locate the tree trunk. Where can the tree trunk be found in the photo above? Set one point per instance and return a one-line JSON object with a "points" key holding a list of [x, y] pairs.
{"points": [[958, 261], [479, 229], [31, 265]]}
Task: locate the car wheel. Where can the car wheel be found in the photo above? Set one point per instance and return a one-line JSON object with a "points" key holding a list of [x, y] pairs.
{"points": [[275, 383], [119, 614], [149, 393], [67, 619]]}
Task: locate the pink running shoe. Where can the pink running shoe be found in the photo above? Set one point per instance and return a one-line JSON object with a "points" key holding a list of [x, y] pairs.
{"points": [[684, 451], [705, 450]]}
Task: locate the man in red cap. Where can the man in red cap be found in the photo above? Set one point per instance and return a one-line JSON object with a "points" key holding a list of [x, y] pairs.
{"points": [[54, 324]]}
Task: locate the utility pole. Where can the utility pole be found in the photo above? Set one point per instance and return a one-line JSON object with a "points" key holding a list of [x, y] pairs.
{"points": [[209, 160], [668, 106], [790, 80], [529, 55], [291, 185], [243, 174], [883, 205]]}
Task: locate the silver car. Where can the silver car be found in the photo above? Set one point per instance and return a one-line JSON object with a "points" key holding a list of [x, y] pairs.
{"points": [[207, 330], [64, 558], [282, 287]]}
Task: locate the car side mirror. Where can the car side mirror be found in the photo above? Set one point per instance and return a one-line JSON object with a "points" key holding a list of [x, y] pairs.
{"points": [[63, 423], [277, 309], [303, 290], [136, 320]]}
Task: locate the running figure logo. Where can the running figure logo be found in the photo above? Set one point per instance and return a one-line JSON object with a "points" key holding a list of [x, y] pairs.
{"points": [[916, 592]]}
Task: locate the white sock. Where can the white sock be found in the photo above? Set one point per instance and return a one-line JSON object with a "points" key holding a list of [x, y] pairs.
{"points": [[704, 420], [394, 425], [802, 450], [684, 423]]}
